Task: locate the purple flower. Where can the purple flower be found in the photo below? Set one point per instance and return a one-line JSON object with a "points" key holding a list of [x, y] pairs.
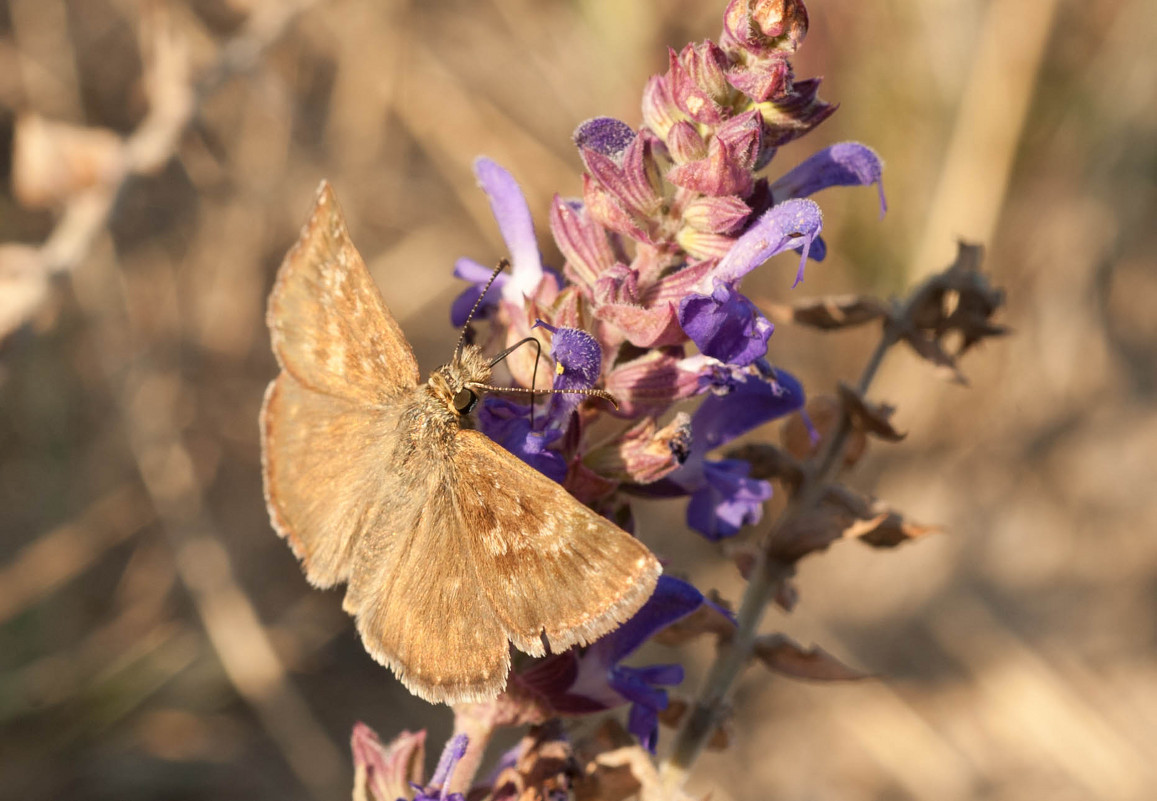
{"points": [[596, 680], [578, 363], [508, 205], [604, 135], [844, 164], [508, 424], [792, 224], [752, 402], [728, 501], [725, 325], [723, 496], [454, 751], [477, 275]]}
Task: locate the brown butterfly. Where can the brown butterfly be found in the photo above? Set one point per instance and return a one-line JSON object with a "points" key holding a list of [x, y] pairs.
{"points": [[450, 545]]}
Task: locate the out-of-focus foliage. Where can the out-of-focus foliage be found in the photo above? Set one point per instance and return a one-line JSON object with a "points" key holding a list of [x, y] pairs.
{"points": [[150, 648]]}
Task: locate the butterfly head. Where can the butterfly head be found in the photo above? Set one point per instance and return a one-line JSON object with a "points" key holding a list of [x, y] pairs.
{"points": [[457, 384]]}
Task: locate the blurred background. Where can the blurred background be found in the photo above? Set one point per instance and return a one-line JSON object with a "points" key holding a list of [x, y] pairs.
{"points": [[158, 641]]}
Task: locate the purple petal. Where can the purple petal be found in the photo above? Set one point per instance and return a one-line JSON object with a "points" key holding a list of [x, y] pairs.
{"points": [[818, 250], [578, 363], [578, 355], [643, 722], [845, 164], [722, 418], [470, 270], [780, 228], [629, 683], [672, 600], [508, 205], [508, 424], [454, 751], [729, 501], [666, 675], [475, 273], [725, 325], [460, 308], [605, 135]]}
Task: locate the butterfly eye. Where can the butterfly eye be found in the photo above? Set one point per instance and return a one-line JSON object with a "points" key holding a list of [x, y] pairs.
{"points": [[465, 400]]}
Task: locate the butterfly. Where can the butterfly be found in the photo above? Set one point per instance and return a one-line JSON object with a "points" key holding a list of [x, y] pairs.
{"points": [[450, 546]]}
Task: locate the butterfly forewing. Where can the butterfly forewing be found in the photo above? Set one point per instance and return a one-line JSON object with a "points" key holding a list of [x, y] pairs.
{"points": [[329, 325]]}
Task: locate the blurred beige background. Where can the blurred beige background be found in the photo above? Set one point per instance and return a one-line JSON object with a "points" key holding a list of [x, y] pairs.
{"points": [[158, 641]]}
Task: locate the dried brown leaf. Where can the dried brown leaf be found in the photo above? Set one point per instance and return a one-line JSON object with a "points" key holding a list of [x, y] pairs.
{"points": [[830, 313], [873, 521], [843, 514], [786, 595], [604, 779], [930, 350], [958, 301], [806, 533], [824, 412], [769, 462], [784, 655], [868, 417], [707, 619], [545, 767]]}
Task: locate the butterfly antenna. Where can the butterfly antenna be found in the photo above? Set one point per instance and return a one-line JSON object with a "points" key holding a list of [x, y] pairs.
{"points": [[592, 392], [502, 265]]}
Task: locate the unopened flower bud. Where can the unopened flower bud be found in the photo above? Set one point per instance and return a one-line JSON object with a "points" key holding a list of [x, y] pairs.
{"points": [[684, 143], [716, 215], [659, 109], [645, 453]]}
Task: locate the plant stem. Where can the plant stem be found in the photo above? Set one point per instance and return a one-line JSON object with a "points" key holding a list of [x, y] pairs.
{"points": [[767, 576], [477, 722]]}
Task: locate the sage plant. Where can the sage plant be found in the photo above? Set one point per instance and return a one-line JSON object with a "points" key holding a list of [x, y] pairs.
{"points": [[648, 305]]}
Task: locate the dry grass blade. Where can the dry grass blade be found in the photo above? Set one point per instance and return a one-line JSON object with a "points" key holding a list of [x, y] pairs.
{"points": [[60, 555]]}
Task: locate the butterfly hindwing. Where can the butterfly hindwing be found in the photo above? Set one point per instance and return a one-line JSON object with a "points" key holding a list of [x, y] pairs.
{"points": [[325, 481], [424, 613], [420, 602]]}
